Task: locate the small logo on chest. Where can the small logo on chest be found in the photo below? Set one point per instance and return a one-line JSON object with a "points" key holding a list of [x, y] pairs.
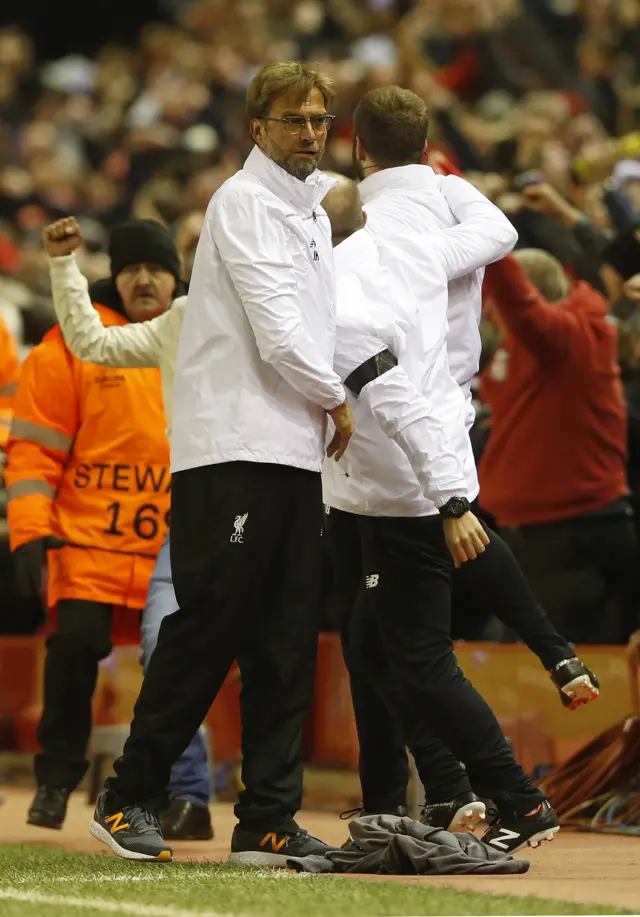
{"points": [[314, 249], [109, 380]]}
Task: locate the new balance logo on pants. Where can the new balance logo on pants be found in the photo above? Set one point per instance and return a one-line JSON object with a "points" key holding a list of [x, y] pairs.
{"points": [[372, 581]]}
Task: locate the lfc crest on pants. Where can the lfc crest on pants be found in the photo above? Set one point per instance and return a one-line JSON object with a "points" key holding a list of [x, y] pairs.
{"points": [[239, 524]]}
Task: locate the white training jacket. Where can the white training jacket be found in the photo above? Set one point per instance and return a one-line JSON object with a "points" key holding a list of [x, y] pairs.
{"points": [[139, 344], [394, 288], [410, 199], [254, 372]]}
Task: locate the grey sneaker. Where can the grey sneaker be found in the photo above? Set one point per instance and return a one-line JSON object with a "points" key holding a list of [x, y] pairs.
{"points": [[132, 833], [273, 848]]}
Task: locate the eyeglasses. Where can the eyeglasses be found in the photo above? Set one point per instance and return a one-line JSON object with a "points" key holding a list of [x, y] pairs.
{"points": [[294, 124]]}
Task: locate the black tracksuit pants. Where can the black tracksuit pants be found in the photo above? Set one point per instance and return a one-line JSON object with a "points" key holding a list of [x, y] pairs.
{"points": [[425, 701], [246, 564], [81, 639]]}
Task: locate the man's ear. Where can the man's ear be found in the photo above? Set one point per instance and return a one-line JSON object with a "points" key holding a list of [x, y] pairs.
{"points": [[255, 129], [360, 151]]}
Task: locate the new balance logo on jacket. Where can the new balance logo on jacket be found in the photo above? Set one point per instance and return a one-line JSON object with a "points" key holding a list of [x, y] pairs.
{"points": [[372, 581]]}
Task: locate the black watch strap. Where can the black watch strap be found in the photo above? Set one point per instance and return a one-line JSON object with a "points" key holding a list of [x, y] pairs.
{"points": [[370, 370], [455, 508]]}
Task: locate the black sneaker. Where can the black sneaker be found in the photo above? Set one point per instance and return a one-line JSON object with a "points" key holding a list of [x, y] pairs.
{"points": [[273, 848], [49, 807], [360, 812], [186, 821], [511, 834], [576, 683], [460, 814], [132, 833]]}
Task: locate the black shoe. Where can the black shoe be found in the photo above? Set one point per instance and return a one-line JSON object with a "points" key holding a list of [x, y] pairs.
{"points": [[460, 814], [132, 833], [273, 848], [576, 683], [186, 821], [360, 812], [510, 834], [49, 807]]}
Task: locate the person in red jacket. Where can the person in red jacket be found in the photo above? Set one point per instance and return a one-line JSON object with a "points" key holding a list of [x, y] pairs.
{"points": [[554, 471]]}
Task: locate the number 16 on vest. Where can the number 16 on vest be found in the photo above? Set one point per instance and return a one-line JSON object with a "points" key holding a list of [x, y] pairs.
{"points": [[145, 523]]}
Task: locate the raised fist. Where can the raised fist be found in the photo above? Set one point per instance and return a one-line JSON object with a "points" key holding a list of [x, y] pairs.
{"points": [[62, 237]]}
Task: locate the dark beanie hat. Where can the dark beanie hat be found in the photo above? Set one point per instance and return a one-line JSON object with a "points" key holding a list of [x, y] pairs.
{"points": [[143, 240]]}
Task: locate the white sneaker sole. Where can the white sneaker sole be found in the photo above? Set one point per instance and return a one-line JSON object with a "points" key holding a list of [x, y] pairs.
{"points": [[101, 834], [542, 837], [580, 691], [255, 858], [468, 817]]}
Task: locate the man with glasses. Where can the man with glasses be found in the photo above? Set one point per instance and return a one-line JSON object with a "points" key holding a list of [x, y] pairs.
{"points": [[253, 386]]}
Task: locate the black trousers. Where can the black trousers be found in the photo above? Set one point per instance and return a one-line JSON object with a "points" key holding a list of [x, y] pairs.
{"points": [[585, 572], [81, 639], [495, 579], [246, 562]]}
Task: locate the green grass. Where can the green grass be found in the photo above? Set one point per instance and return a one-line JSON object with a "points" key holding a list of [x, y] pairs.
{"points": [[181, 889]]}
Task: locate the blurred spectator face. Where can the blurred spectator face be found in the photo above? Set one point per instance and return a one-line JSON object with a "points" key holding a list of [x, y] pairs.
{"points": [[146, 290], [204, 185], [8, 84], [187, 241], [632, 191], [101, 193], [16, 51], [38, 137], [288, 135], [594, 207], [181, 105]]}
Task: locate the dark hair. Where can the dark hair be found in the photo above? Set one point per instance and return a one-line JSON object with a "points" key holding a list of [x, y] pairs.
{"points": [[392, 124], [293, 77]]}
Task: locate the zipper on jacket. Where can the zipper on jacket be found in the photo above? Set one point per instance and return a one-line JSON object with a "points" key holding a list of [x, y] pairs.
{"points": [[315, 218]]}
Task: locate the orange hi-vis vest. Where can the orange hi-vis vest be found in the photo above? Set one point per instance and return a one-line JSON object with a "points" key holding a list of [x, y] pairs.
{"points": [[88, 461], [9, 374]]}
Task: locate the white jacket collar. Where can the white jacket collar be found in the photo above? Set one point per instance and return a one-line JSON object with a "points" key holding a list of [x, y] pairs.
{"points": [[304, 195], [400, 178]]}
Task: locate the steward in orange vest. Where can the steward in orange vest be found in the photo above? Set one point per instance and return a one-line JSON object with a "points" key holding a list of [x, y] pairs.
{"points": [[88, 486]]}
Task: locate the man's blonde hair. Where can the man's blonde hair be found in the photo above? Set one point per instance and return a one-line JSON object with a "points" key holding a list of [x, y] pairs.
{"points": [[545, 272], [293, 78]]}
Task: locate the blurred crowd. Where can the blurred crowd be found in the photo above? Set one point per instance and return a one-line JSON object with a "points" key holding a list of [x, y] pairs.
{"points": [[537, 102]]}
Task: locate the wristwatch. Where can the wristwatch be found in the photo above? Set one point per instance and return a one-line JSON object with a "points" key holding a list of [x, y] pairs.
{"points": [[455, 508]]}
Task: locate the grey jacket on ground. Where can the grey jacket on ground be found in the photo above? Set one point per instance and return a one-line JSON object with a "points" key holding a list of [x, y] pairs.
{"points": [[392, 846]]}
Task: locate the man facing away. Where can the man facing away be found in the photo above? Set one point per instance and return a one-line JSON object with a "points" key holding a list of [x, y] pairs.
{"points": [[254, 383], [493, 577], [408, 571]]}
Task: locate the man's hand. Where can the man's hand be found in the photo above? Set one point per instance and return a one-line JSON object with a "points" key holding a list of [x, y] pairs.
{"points": [[544, 199], [62, 237], [345, 425], [29, 560], [465, 537], [632, 288]]}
